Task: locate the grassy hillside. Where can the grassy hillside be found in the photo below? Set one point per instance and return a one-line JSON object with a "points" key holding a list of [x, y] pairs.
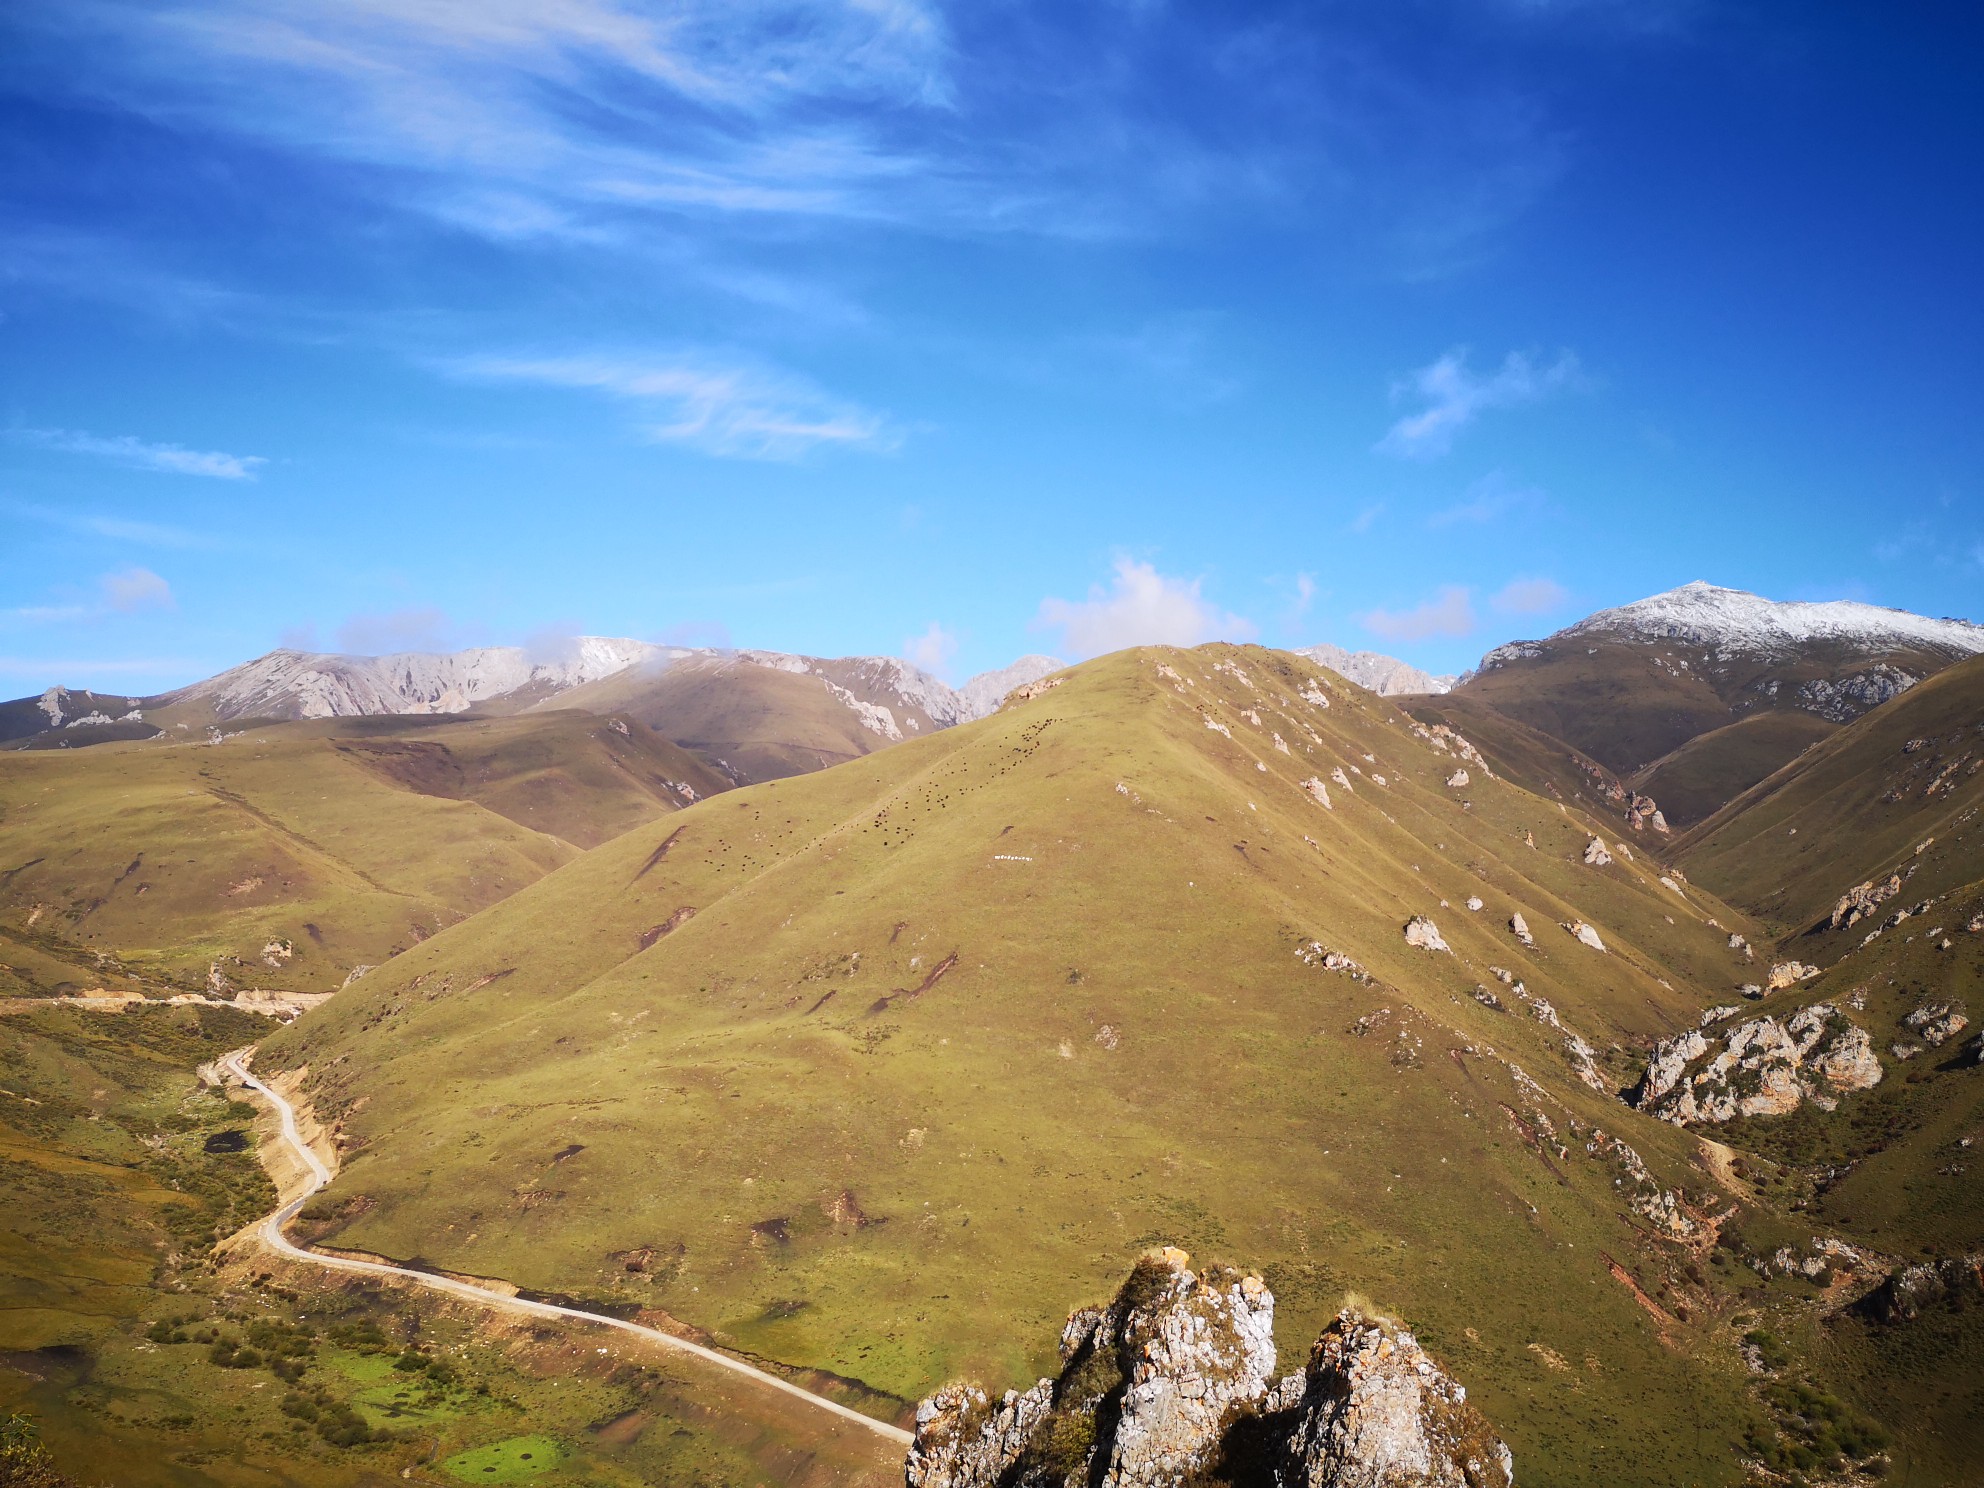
{"points": [[1857, 806], [1539, 762], [755, 722], [149, 1354], [1712, 769], [879, 1070], [291, 853], [1682, 723], [1895, 795]]}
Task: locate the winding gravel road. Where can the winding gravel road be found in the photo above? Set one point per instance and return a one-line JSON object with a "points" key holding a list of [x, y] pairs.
{"points": [[236, 1064]]}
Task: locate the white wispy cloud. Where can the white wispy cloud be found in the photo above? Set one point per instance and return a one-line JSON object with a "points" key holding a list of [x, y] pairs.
{"points": [[520, 118], [48, 614], [419, 628], [37, 672], [1529, 597], [124, 591], [140, 454], [132, 589], [118, 529], [1448, 613], [1455, 396], [1305, 595], [613, 121], [1140, 607], [722, 408], [1492, 497], [932, 650]]}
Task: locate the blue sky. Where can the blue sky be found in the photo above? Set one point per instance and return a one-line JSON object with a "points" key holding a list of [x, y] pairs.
{"points": [[959, 332]]}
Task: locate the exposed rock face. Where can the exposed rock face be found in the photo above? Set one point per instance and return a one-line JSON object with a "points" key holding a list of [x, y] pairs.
{"points": [[1422, 932], [1595, 853], [1376, 1412], [1520, 928], [1762, 1068], [1849, 697], [1909, 1289], [1586, 935], [964, 1441], [1458, 779], [1789, 974], [1642, 812], [1937, 1022], [1861, 900], [1173, 1381], [1317, 789], [1387, 676]]}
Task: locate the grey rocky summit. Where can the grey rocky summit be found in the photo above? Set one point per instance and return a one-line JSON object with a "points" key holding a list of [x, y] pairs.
{"points": [[1173, 1383]]}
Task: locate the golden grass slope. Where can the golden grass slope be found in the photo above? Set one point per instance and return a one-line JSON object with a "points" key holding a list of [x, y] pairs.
{"points": [[879, 1070], [757, 721], [1908, 775], [345, 841], [1895, 794]]}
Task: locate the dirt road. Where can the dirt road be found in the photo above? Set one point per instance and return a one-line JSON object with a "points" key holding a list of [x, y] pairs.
{"points": [[272, 1235]]}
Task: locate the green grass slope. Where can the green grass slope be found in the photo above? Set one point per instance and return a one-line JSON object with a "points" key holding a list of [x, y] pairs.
{"points": [[1896, 794], [877, 1071], [1856, 807], [345, 841], [1632, 702], [1540, 763], [760, 722], [1712, 769]]}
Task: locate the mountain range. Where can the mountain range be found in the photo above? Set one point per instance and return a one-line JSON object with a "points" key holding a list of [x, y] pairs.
{"points": [[865, 1028]]}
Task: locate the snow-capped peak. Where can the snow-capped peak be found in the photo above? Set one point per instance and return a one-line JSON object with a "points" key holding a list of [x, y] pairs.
{"points": [[1734, 620]]}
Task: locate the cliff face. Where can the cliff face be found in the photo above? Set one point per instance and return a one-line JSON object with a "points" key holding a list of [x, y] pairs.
{"points": [[1173, 1384]]}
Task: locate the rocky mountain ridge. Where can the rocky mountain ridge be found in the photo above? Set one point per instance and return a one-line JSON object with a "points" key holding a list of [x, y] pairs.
{"points": [[889, 697], [1387, 676], [1173, 1383]]}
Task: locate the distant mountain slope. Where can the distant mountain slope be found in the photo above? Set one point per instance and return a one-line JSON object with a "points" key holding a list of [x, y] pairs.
{"points": [[1632, 686], [1857, 807], [1540, 763], [768, 728], [873, 1069], [334, 842], [1387, 676]]}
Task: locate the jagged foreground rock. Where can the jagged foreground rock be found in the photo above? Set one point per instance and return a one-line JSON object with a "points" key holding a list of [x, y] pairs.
{"points": [[1173, 1384]]}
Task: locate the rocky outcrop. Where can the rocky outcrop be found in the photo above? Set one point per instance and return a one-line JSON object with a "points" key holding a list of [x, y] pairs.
{"points": [[1595, 853], [1907, 1290], [1423, 933], [1844, 700], [1642, 812], [1862, 899], [1173, 1383], [1387, 676], [1375, 1411], [1519, 927], [1789, 974], [1586, 934], [1937, 1022], [1764, 1067]]}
